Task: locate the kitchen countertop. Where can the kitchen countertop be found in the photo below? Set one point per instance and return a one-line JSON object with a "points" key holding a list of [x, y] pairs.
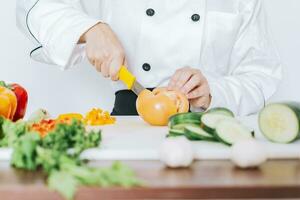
{"points": [[204, 180]]}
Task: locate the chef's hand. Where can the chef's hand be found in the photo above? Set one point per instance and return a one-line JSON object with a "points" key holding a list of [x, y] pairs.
{"points": [[104, 50], [193, 84]]}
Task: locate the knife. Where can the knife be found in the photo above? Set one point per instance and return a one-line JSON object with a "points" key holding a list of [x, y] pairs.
{"points": [[130, 80]]}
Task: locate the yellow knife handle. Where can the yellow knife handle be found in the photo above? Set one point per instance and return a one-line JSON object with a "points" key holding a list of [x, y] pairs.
{"points": [[127, 77]]}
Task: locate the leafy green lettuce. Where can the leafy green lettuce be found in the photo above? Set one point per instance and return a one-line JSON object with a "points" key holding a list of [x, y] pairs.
{"points": [[57, 155]]}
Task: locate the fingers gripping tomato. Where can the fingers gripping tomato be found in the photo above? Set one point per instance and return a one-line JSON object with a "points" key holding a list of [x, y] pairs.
{"points": [[158, 106]]}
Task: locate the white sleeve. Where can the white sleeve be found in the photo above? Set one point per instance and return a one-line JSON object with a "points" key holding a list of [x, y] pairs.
{"points": [[55, 26], [256, 69]]}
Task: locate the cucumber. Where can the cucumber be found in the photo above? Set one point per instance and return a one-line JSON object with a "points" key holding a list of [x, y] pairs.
{"points": [[174, 133], [280, 122], [182, 126], [209, 121], [230, 131], [197, 133], [221, 111], [187, 121], [185, 118], [217, 124]]}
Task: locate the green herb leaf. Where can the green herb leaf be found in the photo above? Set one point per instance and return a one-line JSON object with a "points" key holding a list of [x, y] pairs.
{"points": [[64, 183]]}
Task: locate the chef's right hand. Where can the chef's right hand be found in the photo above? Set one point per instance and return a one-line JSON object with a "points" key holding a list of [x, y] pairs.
{"points": [[104, 50]]}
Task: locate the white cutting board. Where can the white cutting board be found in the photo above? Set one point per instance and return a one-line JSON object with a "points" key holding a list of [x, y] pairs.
{"points": [[132, 139]]}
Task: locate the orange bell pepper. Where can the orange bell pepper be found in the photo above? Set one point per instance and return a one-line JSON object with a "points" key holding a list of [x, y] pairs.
{"points": [[69, 117], [8, 103], [97, 117]]}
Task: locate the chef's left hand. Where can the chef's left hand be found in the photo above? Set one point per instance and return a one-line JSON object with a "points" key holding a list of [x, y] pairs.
{"points": [[193, 84]]}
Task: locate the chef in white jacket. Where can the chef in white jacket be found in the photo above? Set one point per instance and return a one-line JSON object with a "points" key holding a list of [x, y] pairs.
{"points": [[217, 52]]}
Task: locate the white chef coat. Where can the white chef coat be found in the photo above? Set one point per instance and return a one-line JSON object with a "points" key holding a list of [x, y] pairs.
{"points": [[227, 40]]}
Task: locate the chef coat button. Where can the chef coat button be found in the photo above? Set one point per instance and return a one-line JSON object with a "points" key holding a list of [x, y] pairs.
{"points": [[195, 17], [146, 67], [150, 12]]}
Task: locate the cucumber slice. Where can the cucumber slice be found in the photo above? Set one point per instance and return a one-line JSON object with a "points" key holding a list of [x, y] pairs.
{"points": [[174, 133], [230, 131], [197, 133], [185, 118], [182, 126], [280, 122], [209, 121], [221, 111], [187, 121]]}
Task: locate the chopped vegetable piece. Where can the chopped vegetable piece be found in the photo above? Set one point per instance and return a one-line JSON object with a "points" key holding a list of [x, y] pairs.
{"points": [[43, 127], [230, 131], [209, 121], [182, 126], [69, 117], [185, 118], [98, 117], [197, 133], [175, 133], [222, 111]]}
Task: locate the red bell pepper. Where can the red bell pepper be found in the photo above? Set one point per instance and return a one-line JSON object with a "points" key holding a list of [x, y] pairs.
{"points": [[22, 99]]}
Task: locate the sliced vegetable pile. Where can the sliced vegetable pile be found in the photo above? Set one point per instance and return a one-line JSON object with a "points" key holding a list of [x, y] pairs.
{"points": [[41, 122], [57, 152], [95, 117], [217, 125], [280, 122]]}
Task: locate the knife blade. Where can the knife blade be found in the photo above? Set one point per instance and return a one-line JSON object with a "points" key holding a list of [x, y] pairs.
{"points": [[130, 80]]}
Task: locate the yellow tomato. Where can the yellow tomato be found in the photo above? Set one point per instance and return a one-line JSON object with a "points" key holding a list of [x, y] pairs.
{"points": [[158, 106]]}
